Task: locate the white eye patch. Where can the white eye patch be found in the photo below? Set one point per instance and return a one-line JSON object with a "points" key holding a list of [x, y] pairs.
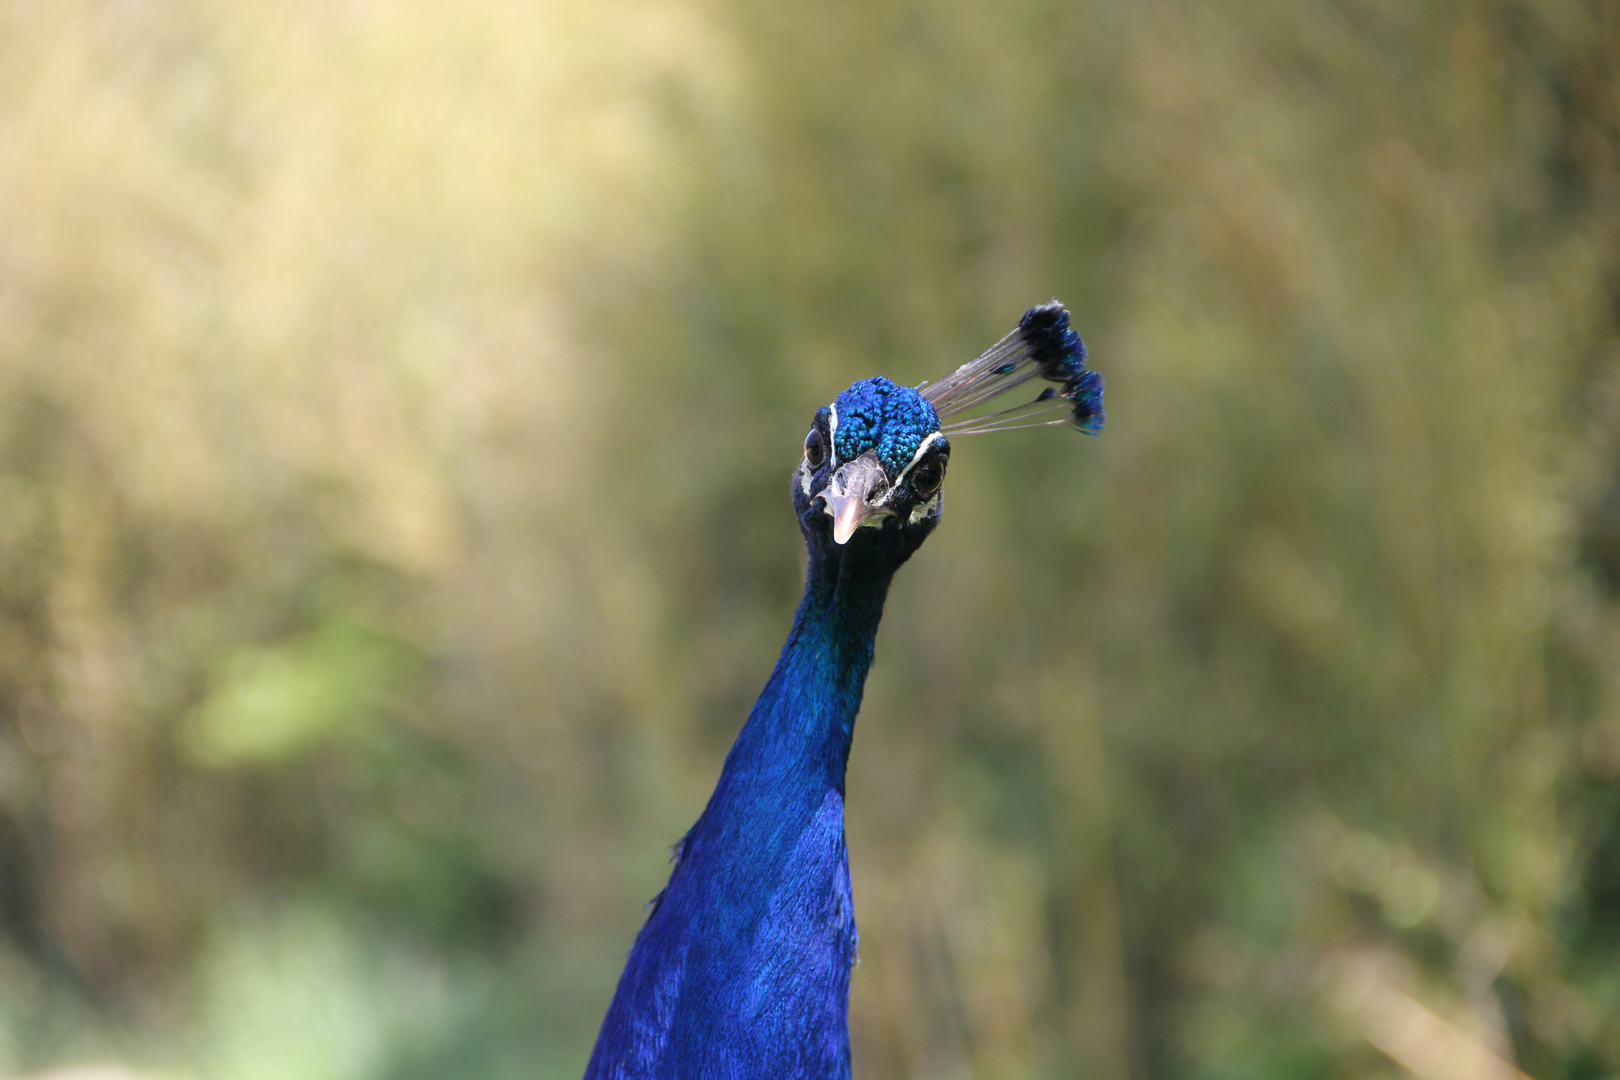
{"points": [[912, 464]]}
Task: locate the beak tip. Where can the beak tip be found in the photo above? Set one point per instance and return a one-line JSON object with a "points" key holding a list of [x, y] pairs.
{"points": [[848, 514], [845, 523]]}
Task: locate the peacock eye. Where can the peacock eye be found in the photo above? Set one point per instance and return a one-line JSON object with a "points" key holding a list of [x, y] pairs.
{"points": [[815, 448], [925, 480]]}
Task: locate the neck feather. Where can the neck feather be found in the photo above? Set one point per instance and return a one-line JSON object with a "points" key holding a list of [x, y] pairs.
{"points": [[743, 967], [799, 732]]}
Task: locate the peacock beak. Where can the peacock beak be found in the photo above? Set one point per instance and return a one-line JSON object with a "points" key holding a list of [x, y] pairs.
{"points": [[850, 494]]}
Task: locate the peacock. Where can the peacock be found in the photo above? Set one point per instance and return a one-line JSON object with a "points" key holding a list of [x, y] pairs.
{"points": [[742, 968]]}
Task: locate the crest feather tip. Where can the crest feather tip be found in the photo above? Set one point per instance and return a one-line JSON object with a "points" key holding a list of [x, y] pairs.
{"points": [[1087, 395], [1057, 350], [1042, 346]]}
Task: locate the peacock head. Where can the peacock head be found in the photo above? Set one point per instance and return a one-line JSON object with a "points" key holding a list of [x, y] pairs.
{"points": [[873, 465], [872, 475]]}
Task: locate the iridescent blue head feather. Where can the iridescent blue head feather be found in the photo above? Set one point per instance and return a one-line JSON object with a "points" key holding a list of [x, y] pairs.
{"points": [[877, 414]]}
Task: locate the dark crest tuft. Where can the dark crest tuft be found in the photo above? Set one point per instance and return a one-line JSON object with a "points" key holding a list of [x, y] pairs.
{"points": [[1087, 395], [1054, 346], [1042, 346]]}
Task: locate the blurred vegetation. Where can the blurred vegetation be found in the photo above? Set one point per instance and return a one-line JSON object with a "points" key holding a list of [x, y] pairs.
{"points": [[396, 404]]}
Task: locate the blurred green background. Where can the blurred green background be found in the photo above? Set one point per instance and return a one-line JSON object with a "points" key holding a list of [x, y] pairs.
{"points": [[397, 402]]}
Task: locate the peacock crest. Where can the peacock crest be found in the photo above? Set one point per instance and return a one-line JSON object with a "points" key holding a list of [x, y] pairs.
{"points": [[1043, 345]]}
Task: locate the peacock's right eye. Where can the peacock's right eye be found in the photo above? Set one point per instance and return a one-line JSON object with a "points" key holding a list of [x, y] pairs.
{"points": [[925, 481], [815, 448]]}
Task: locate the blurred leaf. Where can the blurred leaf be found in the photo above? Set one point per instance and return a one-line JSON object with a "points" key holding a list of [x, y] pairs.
{"points": [[267, 704]]}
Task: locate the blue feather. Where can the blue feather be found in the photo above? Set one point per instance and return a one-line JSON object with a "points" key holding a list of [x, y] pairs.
{"points": [[742, 969]]}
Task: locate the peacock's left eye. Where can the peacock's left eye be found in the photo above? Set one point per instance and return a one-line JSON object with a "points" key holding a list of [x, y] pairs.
{"points": [[926, 479], [815, 448]]}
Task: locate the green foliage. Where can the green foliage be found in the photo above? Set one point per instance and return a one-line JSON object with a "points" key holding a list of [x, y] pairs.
{"points": [[264, 705]]}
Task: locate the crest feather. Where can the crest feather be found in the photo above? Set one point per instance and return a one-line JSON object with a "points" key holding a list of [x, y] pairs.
{"points": [[1042, 346]]}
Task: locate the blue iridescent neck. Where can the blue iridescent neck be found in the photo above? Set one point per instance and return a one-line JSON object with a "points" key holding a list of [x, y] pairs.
{"points": [[743, 966], [800, 728]]}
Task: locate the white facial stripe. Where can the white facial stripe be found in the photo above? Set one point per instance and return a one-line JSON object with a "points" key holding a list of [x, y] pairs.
{"points": [[806, 473], [921, 450], [923, 509]]}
